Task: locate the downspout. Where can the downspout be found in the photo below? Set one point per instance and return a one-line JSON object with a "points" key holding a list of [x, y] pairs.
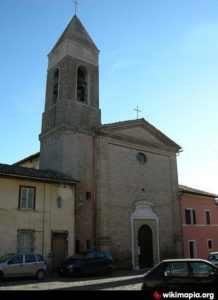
{"points": [[43, 224], [180, 200], [94, 194]]}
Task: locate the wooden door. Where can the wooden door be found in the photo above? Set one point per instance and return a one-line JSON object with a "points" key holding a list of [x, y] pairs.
{"points": [[59, 249], [145, 243]]}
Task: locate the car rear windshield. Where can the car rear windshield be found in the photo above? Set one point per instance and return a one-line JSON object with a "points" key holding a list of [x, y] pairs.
{"points": [[213, 257], [39, 257], [5, 257]]}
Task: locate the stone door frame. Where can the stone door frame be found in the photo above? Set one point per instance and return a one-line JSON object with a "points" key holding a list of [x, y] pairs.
{"points": [[144, 214]]}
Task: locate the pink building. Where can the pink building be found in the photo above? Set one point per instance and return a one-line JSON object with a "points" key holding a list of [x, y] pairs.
{"points": [[199, 222]]}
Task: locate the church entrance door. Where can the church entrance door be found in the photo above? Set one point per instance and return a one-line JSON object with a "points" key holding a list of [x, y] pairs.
{"points": [[59, 249], [145, 243]]}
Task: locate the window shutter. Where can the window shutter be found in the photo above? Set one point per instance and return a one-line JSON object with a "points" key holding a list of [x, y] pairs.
{"points": [[187, 216], [194, 216], [207, 217]]}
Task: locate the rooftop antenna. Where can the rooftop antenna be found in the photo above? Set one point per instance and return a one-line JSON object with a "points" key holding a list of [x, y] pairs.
{"points": [[137, 111], [75, 5]]}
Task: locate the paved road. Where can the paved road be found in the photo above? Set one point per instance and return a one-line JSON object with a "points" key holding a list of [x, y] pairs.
{"points": [[120, 280]]}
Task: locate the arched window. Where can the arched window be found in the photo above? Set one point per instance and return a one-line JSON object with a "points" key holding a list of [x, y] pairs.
{"points": [[82, 85], [141, 158], [55, 86]]}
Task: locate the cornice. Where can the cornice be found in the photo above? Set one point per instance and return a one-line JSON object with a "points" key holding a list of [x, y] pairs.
{"points": [[133, 140]]}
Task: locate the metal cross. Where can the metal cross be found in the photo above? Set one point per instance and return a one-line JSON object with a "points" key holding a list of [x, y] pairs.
{"points": [[137, 110], [75, 5]]}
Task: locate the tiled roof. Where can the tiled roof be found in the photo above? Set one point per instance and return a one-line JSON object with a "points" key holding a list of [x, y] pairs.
{"points": [[190, 190], [36, 174]]}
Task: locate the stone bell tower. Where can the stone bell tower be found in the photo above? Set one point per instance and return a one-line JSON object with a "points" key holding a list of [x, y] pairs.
{"points": [[71, 115]]}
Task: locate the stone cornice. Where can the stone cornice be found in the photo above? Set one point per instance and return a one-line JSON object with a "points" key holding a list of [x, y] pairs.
{"points": [[133, 140], [75, 50], [143, 124]]}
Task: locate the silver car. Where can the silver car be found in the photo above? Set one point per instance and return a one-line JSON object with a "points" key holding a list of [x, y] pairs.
{"points": [[22, 265], [213, 258]]}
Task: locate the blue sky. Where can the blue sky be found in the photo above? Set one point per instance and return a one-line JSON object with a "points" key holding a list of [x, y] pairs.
{"points": [[161, 55]]}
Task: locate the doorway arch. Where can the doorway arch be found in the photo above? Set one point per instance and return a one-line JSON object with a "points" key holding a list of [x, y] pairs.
{"points": [[145, 244]]}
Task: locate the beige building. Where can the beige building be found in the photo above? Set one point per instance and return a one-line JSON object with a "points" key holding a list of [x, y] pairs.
{"points": [[36, 213], [127, 195]]}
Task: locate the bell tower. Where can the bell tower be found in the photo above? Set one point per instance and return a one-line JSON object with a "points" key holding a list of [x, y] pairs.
{"points": [[67, 139], [72, 98]]}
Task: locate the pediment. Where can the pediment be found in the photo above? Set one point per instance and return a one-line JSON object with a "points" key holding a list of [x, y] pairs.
{"points": [[140, 131]]}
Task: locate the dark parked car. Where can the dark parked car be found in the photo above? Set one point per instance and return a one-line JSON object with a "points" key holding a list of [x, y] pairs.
{"points": [[177, 274], [89, 263], [22, 265]]}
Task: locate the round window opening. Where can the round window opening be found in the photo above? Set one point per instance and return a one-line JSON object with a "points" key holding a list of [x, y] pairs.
{"points": [[141, 158]]}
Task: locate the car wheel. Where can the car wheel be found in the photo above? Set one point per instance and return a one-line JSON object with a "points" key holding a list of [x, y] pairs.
{"points": [[1, 276], [40, 275], [108, 271]]}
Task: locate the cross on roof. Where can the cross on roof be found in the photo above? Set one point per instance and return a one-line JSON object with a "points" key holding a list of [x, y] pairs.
{"points": [[75, 5], [137, 111]]}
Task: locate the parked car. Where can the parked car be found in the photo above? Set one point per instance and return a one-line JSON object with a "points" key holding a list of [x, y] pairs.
{"points": [[177, 274], [22, 265], [89, 263], [213, 258]]}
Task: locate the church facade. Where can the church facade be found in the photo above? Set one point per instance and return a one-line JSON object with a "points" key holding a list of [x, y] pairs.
{"points": [[127, 195], [110, 187]]}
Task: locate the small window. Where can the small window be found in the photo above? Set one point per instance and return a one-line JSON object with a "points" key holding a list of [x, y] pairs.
{"points": [[210, 244], [55, 86], [190, 216], [59, 202], [141, 158], [27, 198], [207, 216], [88, 196]]}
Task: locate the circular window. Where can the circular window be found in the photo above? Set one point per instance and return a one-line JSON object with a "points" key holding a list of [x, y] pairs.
{"points": [[141, 158]]}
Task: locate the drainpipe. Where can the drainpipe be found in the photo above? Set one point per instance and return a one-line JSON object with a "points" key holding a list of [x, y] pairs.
{"points": [[43, 225], [94, 194], [180, 200]]}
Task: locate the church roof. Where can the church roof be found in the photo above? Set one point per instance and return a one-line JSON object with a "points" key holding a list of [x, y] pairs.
{"points": [[76, 31], [142, 123], [35, 174], [189, 190]]}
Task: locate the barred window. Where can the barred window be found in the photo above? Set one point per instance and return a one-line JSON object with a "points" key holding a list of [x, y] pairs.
{"points": [[27, 198], [25, 241]]}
